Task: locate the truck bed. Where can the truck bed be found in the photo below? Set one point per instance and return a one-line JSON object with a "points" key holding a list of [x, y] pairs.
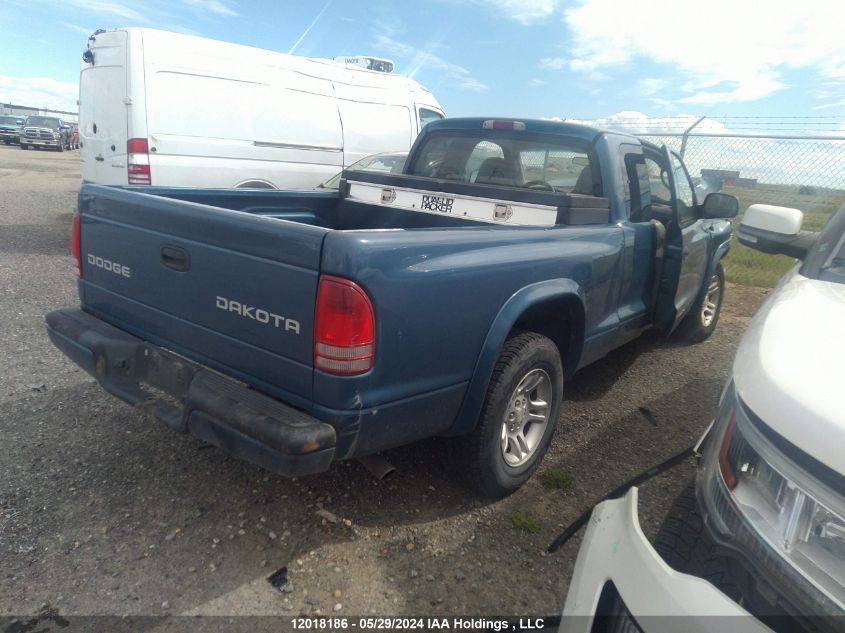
{"points": [[199, 274]]}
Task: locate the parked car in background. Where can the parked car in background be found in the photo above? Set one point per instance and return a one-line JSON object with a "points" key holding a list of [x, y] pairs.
{"points": [[10, 128], [166, 109], [387, 163], [762, 530], [45, 131], [453, 299]]}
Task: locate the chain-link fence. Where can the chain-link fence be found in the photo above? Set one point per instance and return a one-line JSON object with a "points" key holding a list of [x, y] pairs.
{"points": [[807, 172]]}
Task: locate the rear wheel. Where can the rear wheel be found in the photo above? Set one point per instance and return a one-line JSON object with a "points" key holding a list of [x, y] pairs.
{"points": [[518, 418], [700, 323]]}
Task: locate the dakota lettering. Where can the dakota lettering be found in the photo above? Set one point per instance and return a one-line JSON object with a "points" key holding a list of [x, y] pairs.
{"points": [[257, 314]]}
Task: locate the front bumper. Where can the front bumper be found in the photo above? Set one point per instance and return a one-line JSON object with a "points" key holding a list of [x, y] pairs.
{"points": [[8, 135], [41, 142], [660, 599], [189, 397]]}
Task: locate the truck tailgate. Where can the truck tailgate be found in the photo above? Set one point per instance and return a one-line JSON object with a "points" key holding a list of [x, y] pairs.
{"points": [[236, 291]]}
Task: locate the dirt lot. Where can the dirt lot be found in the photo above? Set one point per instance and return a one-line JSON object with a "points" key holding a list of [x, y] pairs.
{"points": [[103, 513]]}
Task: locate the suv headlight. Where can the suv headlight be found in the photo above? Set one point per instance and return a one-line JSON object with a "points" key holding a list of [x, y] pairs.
{"points": [[787, 520]]}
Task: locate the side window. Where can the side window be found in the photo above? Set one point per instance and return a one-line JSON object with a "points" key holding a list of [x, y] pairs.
{"points": [[658, 180], [638, 187], [427, 116], [686, 197]]}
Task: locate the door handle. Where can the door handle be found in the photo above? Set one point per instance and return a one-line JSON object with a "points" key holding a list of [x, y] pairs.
{"points": [[99, 158], [175, 258]]}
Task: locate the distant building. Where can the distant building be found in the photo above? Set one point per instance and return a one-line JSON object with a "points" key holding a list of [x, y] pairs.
{"points": [[719, 174], [13, 108], [727, 177], [748, 183]]}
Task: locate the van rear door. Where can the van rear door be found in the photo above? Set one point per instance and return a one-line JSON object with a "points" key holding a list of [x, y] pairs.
{"points": [[103, 96]]}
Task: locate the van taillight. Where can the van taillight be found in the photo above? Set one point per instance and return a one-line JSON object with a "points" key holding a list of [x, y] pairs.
{"points": [[344, 328], [76, 241], [138, 161]]}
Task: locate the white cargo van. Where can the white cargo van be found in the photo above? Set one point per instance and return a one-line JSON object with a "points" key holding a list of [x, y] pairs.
{"points": [[168, 109]]}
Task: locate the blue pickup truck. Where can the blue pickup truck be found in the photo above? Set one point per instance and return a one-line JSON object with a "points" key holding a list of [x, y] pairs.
{"points": [[454, 299]]}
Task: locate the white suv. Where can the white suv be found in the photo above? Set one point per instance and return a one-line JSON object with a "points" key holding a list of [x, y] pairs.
{"points": [[762, 531]]}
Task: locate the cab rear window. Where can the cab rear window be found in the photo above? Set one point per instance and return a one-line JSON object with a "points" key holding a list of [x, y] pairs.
{"points": [[502, 160]]}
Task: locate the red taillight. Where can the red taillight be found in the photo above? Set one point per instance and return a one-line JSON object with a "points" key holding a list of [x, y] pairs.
{"points": [[76, 241], [138, 161], [344, 328]]}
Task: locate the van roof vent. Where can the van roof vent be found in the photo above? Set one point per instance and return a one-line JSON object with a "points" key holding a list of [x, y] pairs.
{"points": [[379, 64]]}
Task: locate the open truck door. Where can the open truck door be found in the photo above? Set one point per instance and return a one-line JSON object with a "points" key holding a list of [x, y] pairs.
{"points": [[686, 253]]}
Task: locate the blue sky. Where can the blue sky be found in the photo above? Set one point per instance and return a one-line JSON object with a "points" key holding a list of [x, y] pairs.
{"points": [[589, 59]]}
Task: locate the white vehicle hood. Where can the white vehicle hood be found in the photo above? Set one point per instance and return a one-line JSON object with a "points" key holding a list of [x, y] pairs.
{"points": [[790, 366]]}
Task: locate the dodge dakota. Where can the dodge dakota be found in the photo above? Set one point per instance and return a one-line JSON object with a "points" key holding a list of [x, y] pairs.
{"points": [[454, 299]]}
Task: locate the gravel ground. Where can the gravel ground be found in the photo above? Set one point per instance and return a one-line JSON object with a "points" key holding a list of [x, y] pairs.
{"points": [[102, 512]]}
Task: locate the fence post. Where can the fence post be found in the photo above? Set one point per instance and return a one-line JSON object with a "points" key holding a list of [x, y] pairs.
{"points": [[686, 135]]}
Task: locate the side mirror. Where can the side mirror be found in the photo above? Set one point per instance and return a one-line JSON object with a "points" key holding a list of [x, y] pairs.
{"points": [[719, 206], [775, 230]]}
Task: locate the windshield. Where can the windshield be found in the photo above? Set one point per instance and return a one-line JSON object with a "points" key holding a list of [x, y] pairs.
{"points": [[506, 160], [42, 121], [10, 120], [381, 163]]}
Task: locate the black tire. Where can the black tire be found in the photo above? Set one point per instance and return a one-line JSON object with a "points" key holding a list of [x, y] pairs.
{"points": [[481, 452], [684, 545], [696, 327], [61, 147], [24, 146]]}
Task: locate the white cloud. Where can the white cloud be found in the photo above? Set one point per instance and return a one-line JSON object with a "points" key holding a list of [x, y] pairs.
{"points": [[728, 50], [552, 63], [213, 6], [39, 92], [472, 84], [650, 86], [748, 90], [113, 8], [420, 58], [523, 11], [635, 122], [78, 29]]}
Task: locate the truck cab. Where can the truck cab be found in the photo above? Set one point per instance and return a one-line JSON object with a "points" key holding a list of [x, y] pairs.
{"points": [[45, 131], [10, 128]]}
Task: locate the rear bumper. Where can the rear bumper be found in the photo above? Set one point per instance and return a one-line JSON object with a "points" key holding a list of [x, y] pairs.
{"points": [[189, 397], [660, 599]]}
